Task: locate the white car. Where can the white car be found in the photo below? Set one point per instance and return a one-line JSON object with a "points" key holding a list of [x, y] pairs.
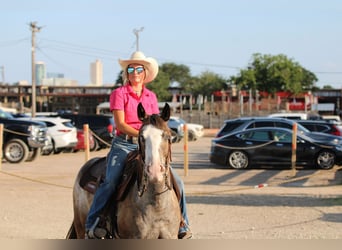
{"points": [[195, 131], [63, 134]]}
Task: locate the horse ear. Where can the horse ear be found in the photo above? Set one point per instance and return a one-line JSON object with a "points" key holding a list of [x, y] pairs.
{"points": [[141, 112], [165, 115]]}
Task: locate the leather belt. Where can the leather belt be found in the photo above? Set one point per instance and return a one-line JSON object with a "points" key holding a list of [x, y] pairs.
{"points": [[128, 138]]}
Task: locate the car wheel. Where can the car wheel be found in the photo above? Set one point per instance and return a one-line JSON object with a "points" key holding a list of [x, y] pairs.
{"points": [[58, 151], [174, 137], [238, 160], [95, 146], [192, 136], [34, 154], [325, 159], [47, 151], [16, 151]]}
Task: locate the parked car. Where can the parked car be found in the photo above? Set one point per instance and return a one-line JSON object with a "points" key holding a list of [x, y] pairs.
{"points": [[321, 126], [48, 148], [22, 140], [272, 146], [297, 116], [244, 123], [177, 130], [80, 143], [63, 134], [333, 118], [195, 131], [102, 126]]}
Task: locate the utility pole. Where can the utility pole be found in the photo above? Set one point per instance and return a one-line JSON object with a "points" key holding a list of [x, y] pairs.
{"points": [[136, 33], [34, 29]]}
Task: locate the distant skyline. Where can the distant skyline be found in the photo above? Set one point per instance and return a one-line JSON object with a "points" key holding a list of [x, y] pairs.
{"points": [[219, 36]]}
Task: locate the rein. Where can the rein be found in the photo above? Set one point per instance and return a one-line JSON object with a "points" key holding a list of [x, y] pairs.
{"points": [[168, 185]]}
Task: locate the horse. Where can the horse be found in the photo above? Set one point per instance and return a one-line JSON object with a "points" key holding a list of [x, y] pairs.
{"points": [[146, 204]]}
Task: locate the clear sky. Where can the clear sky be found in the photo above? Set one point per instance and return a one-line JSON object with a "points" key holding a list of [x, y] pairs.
{"points": [[215, 35]]}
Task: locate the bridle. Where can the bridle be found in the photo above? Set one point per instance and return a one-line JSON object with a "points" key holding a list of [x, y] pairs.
{"points": [[166, 136]]}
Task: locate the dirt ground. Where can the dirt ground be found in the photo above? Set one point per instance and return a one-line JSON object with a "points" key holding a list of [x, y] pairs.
{"points": [[36, 198]]}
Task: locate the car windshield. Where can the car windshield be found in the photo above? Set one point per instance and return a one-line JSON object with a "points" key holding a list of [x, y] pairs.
{"points": [[302, 128], [6, 115]]}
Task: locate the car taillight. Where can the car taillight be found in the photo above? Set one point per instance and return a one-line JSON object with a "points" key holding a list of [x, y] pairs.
{"points": [[337, 131], [110, 128], [64, 130]]}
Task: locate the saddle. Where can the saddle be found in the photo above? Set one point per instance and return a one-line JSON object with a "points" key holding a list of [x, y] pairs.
{"points": [[94, 172]]}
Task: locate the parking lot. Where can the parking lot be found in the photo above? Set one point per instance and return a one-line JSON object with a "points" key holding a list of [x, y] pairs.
{"points": [[266, 203]]}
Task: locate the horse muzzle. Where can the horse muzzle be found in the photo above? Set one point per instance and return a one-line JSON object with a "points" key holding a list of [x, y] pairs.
{"points": [[155, 172]]}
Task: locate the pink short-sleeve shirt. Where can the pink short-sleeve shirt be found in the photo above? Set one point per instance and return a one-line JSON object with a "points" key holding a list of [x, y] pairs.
{"points": [[124, 98]]}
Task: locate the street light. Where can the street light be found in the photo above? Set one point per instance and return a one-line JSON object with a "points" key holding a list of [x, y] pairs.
{"points": [[136, 33]]}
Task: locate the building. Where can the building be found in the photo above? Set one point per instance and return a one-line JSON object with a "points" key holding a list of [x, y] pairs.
{"points": [[54, 98], [96, 73], [40, 72], [85, 99], [55, 75]]}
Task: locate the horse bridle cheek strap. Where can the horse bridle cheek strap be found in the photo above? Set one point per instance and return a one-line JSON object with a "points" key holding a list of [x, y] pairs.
{"points": [[168, 182]]}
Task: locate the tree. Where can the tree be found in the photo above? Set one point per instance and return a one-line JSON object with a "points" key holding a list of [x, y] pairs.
{"points": [[159, 86], [179, 73], [274, 73], [207, 83]]}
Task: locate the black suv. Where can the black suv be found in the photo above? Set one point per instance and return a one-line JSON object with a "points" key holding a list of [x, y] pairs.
{"points": [[244, 123], [321, 126], [102, 126], [22, 140], [256, 122]]}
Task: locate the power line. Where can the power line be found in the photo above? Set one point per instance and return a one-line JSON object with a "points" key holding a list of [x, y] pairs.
{"points": [[45, 44], [91, 51], [13, 42], [69, 46]]}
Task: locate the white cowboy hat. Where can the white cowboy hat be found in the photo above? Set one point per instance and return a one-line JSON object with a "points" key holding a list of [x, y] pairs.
{"points": [[149, 63]]}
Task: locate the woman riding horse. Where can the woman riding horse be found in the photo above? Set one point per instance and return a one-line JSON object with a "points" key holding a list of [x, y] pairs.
{"points": [[137, 71]]}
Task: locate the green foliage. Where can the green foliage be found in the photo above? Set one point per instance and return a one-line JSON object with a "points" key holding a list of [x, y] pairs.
{"points": [[204, 84], [274, 73], [207, 83], [265, 73], [160, 86], [179, 73]]}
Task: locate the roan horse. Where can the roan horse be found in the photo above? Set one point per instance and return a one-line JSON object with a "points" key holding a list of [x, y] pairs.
{"points": [[146, 205]]}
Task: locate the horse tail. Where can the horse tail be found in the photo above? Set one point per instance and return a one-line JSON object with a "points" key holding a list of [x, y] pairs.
{"points": [[71, 233]]}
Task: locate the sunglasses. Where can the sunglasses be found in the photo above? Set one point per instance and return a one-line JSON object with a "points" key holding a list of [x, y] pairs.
{"points": [[130, 70]]}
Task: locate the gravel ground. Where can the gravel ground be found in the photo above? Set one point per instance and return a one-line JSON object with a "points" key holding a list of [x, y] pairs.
{"points": [[36, 198]]}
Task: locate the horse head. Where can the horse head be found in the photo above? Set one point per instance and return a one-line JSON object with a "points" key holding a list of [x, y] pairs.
{"points": [[155, 143]]}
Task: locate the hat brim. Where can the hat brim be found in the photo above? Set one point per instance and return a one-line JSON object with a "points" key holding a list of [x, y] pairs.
{"points": [[149, 63]]}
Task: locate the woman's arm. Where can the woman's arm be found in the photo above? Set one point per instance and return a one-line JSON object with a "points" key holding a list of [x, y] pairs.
{"points": [[121, 125]]}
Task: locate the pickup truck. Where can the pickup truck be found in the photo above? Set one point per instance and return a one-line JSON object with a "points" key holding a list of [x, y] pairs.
{"points": [[22, 140]]}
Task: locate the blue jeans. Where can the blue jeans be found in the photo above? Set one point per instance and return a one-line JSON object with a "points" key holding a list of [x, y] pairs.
{"points": [[115, 165]]}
